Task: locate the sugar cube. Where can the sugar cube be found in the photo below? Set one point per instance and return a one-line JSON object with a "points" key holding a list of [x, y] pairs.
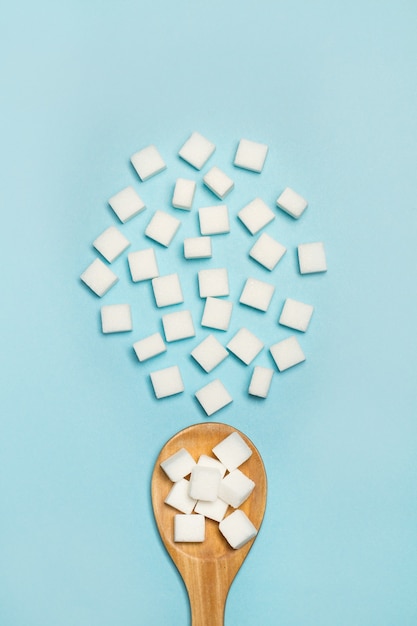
{"points": [[213, 282], [257, 294], [126, 204], [292, 203], [178, 465], [287, 353], [237, 529], [197, 248], [143, 264], [251, 155], [235, 488], [214, 220], [183, 194], [209, 353], [178, 497], [162, 228], [111, 243], [245, 345], [167, 290], [267, 251], [212, 510], [260, 382], [178, 325], [189, 528], [218, 182], [116, 318], [204, 483], [197, 150], [167, 382], [209, 461], [296, 314], [256, 215], [149, 347], [213, 397], [148, 162], [99, 277], [232, 451], [217, 313], [312, 258]]}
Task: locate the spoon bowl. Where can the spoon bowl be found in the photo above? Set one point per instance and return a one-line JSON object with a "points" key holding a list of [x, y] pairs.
{"points": [[207, 568]]}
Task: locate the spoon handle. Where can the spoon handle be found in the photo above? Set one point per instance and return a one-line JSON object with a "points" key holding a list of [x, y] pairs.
{"points": [[208, 584]]}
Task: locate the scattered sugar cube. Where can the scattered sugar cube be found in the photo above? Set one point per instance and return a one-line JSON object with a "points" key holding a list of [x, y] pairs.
{"points": [[143, 265], [292, 203], [197, 248], [237, 529], [267, 251], [214, 220], [245, 345], [149, 347], [148, 162], [179, 498], [235, 488], [162, 228], [212, 510], [257, 294], [232, 451], [189, 528], [197, 150], [287, 353], [116, 318], [126, 204], [312, 258], [167, 382], [178, 465], [167, 290], [111, 243], [213, 282], [218, 182], [296, 314], [208, 461], [99, 277], [204, 483], [217, 313], [260, 382], [256, 215], [213, 397], [178, 325], [183, 194], [209, 353], [251, 155]]}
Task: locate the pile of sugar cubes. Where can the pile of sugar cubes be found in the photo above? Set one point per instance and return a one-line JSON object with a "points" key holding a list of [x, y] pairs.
{"points": [[214, 484], [213, 283]]}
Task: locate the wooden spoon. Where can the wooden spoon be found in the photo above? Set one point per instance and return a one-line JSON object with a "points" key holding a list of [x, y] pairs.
{"points": [[207, 568]]}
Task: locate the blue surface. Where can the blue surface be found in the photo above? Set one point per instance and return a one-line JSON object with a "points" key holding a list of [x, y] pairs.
{"points": [[332, 89]]}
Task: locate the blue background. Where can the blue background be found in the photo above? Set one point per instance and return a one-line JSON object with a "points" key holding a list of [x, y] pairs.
{"points": [[331, 88]]}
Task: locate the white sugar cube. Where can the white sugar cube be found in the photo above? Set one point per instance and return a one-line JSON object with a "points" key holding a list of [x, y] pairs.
{"points": [[237, 529], [214, 220], [212, 510], [183, 194], [257, 294], [312, 258], [232, 451], [235, 488], [149, 347], [197, 150], [99, 277], [162, 228], [167, 290], [267, 251], [126, 204], [167, 382], [143, 264], [218, 182], [178, 325], [208, 461], [189, 528], [256, 215], [213, 397], [178, 465], [217, 313], [116, 318], [245, 345], [111, 243], [213, 282], [296, 314], [251, 155], [148, 162], [197, 248], [260, 382], [287, 353], [179, 498], [209, 353], [292, 203], [204, 483]]}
